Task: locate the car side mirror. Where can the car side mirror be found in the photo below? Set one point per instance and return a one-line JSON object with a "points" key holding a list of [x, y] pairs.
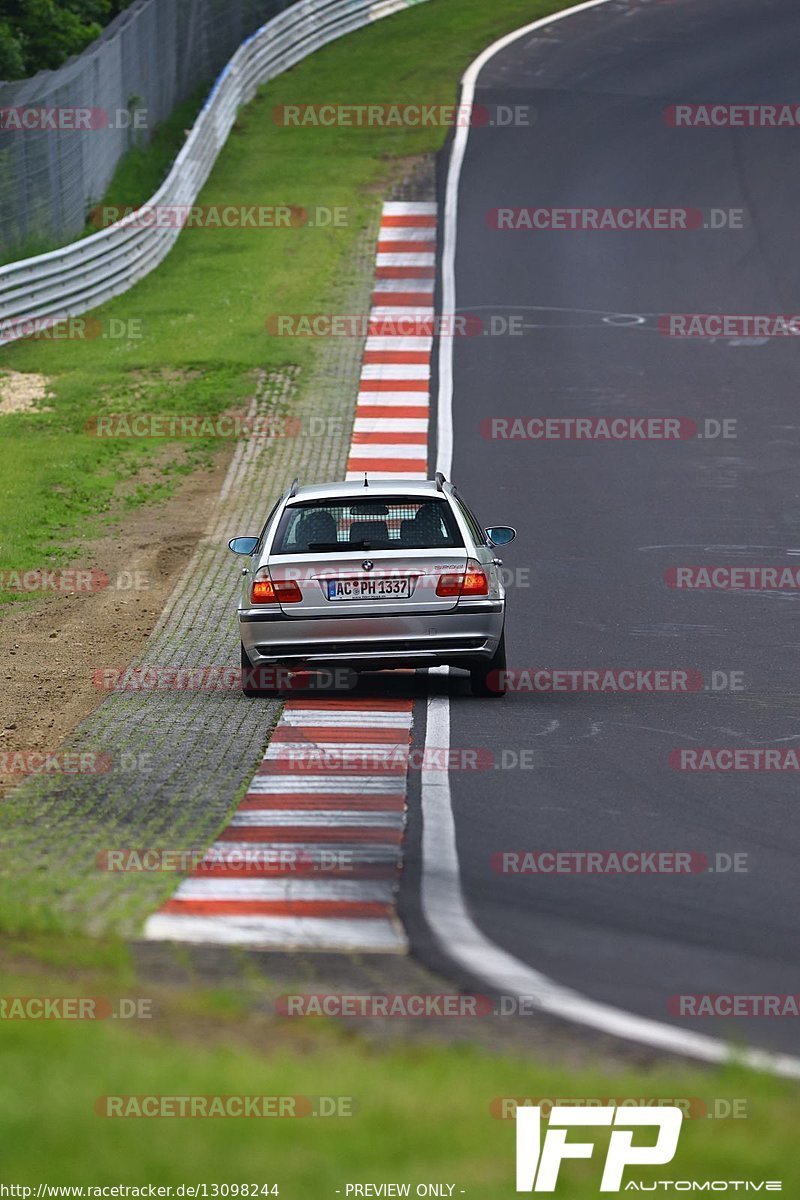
{"points": [[501, 535], [243, 545]]}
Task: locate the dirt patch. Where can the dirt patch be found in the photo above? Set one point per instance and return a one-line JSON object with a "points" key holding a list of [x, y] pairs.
{"points": [[142, 380], [50, 648], [22, 392]]}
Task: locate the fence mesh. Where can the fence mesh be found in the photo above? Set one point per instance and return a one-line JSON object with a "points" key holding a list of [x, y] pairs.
{"points": [[151, 57]]}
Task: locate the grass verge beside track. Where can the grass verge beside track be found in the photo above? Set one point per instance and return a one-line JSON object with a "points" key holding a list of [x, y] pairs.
{"points": [[421, 1112]]}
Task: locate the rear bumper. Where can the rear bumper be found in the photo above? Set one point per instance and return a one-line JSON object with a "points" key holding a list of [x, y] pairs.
{"points": [[469, 633]]}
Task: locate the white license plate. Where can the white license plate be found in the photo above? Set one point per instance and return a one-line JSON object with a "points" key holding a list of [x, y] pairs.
{"points": [[389, 588]]}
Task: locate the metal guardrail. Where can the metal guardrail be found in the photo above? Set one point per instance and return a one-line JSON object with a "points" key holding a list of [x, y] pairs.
{"points": [[78, 277]]}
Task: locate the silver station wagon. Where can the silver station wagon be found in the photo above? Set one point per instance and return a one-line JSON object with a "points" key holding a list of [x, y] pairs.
{"points": [[372, 576]]}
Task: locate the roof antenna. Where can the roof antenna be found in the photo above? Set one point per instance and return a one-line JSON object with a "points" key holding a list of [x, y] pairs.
{"points": [[366, 481]]}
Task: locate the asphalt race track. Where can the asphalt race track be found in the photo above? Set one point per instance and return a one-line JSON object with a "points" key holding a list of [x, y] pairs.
{"points": [[601, 522]]}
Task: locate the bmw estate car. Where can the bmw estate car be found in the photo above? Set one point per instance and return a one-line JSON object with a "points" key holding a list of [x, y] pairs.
{"points": [[373, 575]]}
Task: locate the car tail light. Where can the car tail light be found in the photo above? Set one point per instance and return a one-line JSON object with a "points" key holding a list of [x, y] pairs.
{"points": [[268, 591], [472, 582], [262, 591], [449, 585], [476, 582], [287, 591]]}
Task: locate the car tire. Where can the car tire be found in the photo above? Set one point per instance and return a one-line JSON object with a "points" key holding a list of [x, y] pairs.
{"points": [[248, 670], [480, 676]]}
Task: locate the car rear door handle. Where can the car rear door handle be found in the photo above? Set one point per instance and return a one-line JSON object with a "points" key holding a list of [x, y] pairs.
{"points": [[498, 562]]}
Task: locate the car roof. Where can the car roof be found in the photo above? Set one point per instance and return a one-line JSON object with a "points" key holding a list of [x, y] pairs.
{"points": [[355, 488]]}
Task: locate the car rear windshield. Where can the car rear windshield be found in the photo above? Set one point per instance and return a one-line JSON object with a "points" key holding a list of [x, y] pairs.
{"points": [[390, 523]]}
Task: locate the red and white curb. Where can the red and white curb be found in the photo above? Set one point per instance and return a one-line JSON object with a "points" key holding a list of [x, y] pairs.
{"points": [[390, 434], [312, 857]]}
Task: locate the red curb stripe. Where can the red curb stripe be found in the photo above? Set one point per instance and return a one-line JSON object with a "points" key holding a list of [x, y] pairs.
{"points": [[255, 802], [406, 247], [300, 763], [394, 385], [336, 703], [398, 439], [397, 356], [311, 834], [419, 411], [392, 465], [278, 908], [421, 220], [404, 299], [292, 772], [316, 734], [323, 801], [404, 272]]}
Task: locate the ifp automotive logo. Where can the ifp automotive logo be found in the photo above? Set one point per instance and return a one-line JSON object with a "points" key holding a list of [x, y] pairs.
{"points": [[539, 1161]]}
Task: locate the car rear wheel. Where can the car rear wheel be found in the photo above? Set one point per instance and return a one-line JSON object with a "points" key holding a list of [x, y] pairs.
{"points": [[488, 678], [249, 679]]}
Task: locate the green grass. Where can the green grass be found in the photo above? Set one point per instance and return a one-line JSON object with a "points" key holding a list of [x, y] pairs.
{"points": [[202, 312], [421, 1112]]}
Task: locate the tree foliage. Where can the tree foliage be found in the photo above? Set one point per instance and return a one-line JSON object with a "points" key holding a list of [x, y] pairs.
{"points": [[39, 34]]}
